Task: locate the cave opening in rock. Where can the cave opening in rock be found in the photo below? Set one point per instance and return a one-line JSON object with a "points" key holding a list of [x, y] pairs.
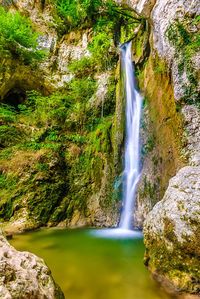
{"points": [[15, 97]]}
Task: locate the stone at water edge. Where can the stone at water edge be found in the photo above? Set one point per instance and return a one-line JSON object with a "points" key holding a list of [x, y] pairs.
{"points": [[172, 233], [24, 275]]}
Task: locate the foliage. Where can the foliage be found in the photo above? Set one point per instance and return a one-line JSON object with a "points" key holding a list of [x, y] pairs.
{"points": [[67, 125], [9, 134], [6, 153], [42, 166], [69, 11], [110, 98], [17, 37], [8, 183], [50, 110], [76, 138], [93, 117], [196, 20], [34, 146], [7, 113], [149, 145], [72, 13], [83, 68], [106, 19], [101, 47], [100, 138], [186, 43], [53, 135], [81, 90]]}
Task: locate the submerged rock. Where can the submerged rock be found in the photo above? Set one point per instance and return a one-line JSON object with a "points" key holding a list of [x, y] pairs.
{"points": [[172, 233], [24, 275]]}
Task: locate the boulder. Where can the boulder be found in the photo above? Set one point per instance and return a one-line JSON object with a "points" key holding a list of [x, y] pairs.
{"points": [[24, 275], [172, 233]]}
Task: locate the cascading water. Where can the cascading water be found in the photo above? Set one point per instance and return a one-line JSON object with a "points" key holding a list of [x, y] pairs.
{"points": [[133, 113], [131, 171]]}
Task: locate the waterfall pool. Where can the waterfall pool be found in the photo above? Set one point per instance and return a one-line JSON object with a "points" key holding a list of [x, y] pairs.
{"points": [[88, 267]]}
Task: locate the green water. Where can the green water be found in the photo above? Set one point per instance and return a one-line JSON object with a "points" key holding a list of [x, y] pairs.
{"points": [[87, 267]]}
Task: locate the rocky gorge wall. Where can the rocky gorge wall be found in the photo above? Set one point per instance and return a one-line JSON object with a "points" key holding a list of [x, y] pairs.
{"points": [[55, 180], [170, 84], [62, 172]]}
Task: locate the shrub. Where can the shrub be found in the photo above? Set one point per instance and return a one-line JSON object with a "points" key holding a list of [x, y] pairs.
{"points": [[82, 68], [101, 48], [72, 13], [17, 37], [50, 110], [185, 43], [76, 138], [9, 135], [81, 90], [7, 113]]}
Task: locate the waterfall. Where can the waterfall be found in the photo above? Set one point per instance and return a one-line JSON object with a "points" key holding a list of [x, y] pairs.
{"points": [[133, 113], [131, 170]]}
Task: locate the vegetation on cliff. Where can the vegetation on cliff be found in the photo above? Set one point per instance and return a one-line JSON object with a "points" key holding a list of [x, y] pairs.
{"points": [[17, 38], [186, 43], [66, 141]]}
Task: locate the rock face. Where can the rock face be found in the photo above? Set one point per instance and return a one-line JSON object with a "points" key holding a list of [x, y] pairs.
{"points": [[171, 233], [191, 116], [53, 185], [172, 138], [171, 229], [161, 14], [24, 275], [52, 74]]}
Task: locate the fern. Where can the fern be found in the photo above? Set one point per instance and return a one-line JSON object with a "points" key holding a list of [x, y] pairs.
{"points": [[17, 37]]}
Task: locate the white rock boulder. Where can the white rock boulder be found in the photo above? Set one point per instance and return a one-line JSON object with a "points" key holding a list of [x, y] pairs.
{"points": [[24, 275], [172, 233]]}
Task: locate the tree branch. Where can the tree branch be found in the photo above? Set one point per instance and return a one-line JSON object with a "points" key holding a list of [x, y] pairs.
{"points": [[127, 15]]}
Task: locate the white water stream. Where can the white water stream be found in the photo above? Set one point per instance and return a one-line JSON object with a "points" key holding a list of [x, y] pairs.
{"points": [[132, 156], [131, 170]]}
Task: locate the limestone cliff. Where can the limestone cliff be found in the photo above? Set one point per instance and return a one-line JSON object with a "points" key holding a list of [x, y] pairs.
{"points": [[62, 122], [168, 79], [170, 134], [67, 177]]}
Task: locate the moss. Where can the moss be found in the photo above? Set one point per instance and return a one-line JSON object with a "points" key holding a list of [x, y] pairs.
{"points": [[175, 261], [164, 129], [71, 150], [37, 185], [177, 266], [119, 121], [141, 47], [169, 228], [186, 42]]}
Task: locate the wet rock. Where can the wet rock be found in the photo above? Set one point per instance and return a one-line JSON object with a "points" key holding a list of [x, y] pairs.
{"points": [[24, 275], [142, 7], [191, 116], [171, 233]]}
